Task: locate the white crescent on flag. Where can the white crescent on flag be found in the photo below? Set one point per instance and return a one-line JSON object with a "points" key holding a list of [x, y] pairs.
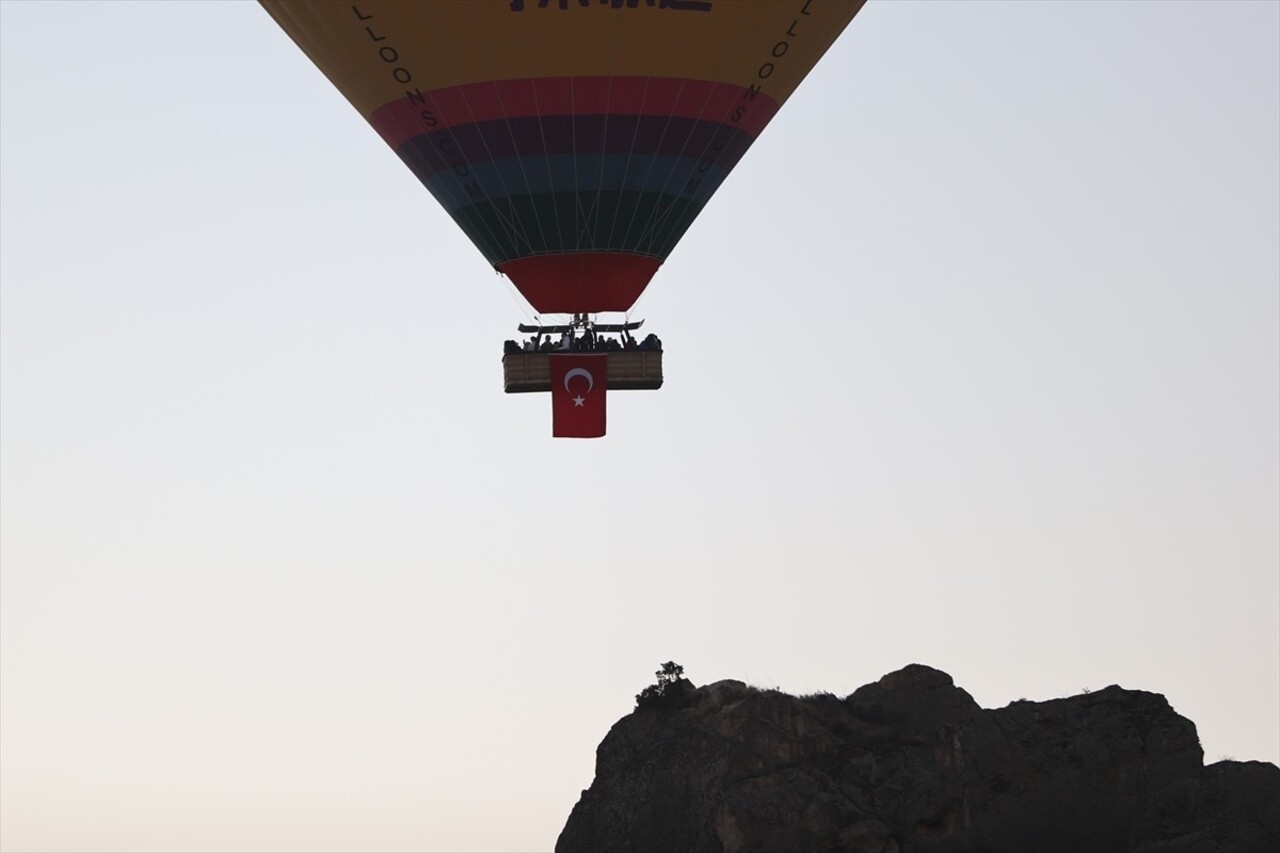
{"points": [[578, 371]]}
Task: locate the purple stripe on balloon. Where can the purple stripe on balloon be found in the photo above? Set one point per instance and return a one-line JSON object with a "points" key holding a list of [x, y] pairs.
{"points": [[708, 143]]}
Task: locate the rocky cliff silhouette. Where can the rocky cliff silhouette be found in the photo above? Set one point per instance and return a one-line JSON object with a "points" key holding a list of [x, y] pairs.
{"points": [[911, 764]]}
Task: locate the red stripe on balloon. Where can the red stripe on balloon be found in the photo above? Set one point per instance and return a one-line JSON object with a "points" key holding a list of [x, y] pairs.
{"points": [[580, 282], [418, 112]]}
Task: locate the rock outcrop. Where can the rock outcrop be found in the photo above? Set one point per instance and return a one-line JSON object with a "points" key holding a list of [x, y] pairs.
{"points": [[911, 763]]}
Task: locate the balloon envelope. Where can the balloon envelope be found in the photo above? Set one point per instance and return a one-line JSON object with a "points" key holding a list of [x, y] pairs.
{"points": [[574, 141]]}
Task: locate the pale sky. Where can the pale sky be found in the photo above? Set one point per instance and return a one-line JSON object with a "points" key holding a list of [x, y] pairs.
{"points": [[974, 361]]}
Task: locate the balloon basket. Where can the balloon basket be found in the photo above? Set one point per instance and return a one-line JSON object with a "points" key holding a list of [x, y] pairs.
{"points": [[629, 370]]}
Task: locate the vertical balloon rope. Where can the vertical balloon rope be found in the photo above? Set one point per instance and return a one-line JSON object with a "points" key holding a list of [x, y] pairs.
{"points": [[626, 169], [513, 230], [466, 210], [528, 71], [667, 215], [657, 196], [519, 159], [449, 192], [574, 242], [656, 214], [603, 156], [653, 161], [625, 244], [579, 175]]}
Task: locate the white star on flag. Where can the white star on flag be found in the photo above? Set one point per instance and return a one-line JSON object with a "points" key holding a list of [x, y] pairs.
{"points": [[579, 400]]}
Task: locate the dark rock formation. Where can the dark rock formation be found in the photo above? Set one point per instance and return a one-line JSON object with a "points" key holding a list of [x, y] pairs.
{"points": [[911, 763]]}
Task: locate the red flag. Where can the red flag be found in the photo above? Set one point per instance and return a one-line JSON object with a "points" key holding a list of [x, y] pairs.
{"points": [[578, 384]]}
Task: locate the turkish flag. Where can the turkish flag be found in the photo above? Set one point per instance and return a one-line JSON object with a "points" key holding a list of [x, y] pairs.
{"points": [[578, 384]]}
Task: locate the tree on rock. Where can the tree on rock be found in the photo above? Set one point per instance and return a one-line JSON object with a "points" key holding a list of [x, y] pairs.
{"points": [[671, 683]]}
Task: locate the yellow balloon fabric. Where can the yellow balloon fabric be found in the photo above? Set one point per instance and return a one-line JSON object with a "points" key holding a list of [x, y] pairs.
{"points": [[574, 141]]}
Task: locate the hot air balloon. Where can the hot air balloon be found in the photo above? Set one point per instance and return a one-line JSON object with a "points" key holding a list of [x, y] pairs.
{"points": [[573, 141]]}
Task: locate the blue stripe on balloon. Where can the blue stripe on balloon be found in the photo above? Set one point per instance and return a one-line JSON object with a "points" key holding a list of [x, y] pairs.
{"points": [[584, 174]]}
